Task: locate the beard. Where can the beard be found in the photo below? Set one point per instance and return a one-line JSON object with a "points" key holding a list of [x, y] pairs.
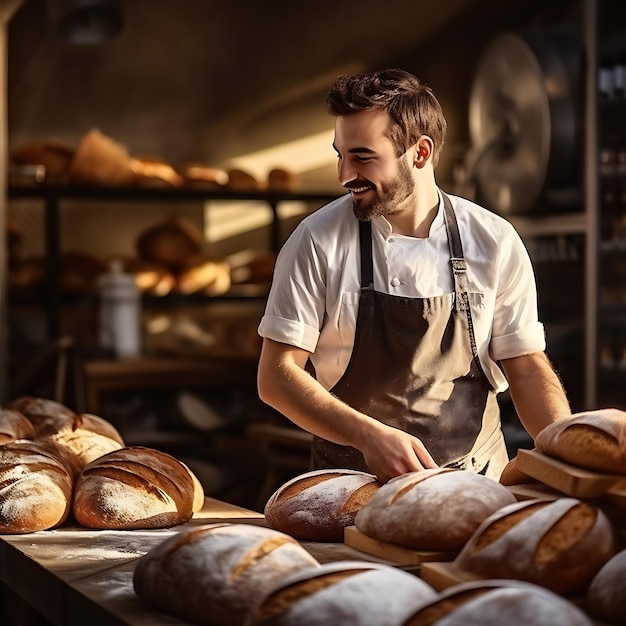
{"points": [[386, 199]]}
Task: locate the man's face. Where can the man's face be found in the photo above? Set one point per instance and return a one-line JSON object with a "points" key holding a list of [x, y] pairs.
{"points": [[379, 181]]}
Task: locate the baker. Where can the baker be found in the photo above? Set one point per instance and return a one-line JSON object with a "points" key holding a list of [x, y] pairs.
{"points": [[397, 312]]}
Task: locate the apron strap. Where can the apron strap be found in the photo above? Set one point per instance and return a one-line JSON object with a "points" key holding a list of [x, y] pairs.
{"points": [[367, 259], [459, 273]]}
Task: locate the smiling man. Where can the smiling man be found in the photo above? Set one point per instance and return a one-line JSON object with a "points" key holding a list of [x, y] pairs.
{"points": [[414, 308]]}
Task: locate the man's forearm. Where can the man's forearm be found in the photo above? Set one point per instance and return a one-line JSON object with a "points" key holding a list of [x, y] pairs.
{"points": [[536, 391]]}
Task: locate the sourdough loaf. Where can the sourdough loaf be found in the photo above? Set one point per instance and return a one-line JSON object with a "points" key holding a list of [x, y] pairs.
{"points": [[40, 409], [350, 593], [434, 509], [594, 440], [35, 488], [607, 591], [558, 544], [133, 487], [498, 602], [13, 426], [318, 505], [213, 574]]}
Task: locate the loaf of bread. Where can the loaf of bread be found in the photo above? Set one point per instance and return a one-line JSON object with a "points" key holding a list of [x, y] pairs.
{"points": [[35, 488], [435, 509], [558, 544], [39, 409], [133, 487], [203, 176], [498, 602], [594, 440], [100, 160], [84, 437], [355, 593], [53, 154], [241, 180], [318, 505], [280, 179], [607, 592], [151, 171], [175, 243], [14, 425], [209, 276], [213, 574]]}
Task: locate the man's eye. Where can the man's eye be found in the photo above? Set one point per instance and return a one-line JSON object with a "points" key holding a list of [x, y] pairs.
{"points": [[363, 159]]}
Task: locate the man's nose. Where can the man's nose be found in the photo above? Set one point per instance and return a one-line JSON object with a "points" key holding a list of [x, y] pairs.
{"points": [[346, 172]]}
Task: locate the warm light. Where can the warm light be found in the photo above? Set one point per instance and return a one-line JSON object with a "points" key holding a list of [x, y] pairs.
{"points": [[297, 156]]}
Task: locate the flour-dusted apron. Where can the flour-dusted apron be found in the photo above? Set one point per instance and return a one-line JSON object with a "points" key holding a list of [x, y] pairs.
{"points": [[415, 366]]}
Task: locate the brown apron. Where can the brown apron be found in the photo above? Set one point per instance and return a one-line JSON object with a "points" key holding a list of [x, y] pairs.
{"points": [[415, 366]]}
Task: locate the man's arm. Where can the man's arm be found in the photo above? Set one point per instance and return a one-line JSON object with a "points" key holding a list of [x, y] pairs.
{"points": [[536, 391], [284, 384]]}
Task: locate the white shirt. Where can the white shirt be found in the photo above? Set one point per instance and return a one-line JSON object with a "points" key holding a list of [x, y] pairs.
{"points": [[313, 301]]}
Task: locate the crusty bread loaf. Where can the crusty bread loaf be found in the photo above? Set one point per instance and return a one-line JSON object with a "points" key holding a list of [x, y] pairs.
{"points": [[213, 574], [85, 437], [204, 275], [498, 602], [558, 544], [151, 171], [203, 176], [280, 179], [14, 425], [198, 490], [435, 509], [594, 440], [174, 243], [318, 505], [133, 487], [607, 592], [39, 409], [241, 180], [100, 160], [35, 488], [355, 593]]}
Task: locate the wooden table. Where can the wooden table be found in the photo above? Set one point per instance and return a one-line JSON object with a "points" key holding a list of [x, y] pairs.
{"points": [[75, 576]]}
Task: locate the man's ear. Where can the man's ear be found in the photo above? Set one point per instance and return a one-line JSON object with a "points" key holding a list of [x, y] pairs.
{"points": [[423, 151]]}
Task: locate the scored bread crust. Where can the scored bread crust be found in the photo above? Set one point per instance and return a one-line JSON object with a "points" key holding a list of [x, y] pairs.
{"points": [[133, 487], [496, 602], [35, 488], [358, 593], [435, 509], [558, 544], [594, 440], [318, 505], [606, 596], [14, 426], [214, 574]]}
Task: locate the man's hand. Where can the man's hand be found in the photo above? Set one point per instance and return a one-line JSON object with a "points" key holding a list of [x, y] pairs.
{"points": [[390, 452]]}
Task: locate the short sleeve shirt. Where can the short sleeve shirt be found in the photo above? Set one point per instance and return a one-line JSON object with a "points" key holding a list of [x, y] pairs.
{"points": [[313, 301]]}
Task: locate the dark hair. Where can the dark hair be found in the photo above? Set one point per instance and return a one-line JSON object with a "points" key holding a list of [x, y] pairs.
{"points": [[412, 105]]}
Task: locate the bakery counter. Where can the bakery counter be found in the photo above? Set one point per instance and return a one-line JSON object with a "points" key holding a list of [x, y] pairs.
{"points": [[74, 576]]}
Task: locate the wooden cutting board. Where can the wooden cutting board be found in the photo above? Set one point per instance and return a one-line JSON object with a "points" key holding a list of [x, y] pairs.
{"points": [[440, 576], [391, 552], [566, 478]]}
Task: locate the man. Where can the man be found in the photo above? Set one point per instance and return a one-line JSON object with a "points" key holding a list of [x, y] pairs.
{"points": [[414, 308]]}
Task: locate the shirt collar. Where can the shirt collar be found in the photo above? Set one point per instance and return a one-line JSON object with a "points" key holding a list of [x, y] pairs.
{"points": [[384, 227]]}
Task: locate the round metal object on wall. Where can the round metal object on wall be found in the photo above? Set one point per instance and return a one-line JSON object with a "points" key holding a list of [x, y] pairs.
{"points": [[524, 119]]}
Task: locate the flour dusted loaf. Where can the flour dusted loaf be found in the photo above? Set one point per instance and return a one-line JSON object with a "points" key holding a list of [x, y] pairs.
{"points": [[35, 488], [14, 426], [558, 544], [594, 440], [435, 509], [350, 593], [134, 487], [213, 574], [607, 591], [498, 602], [318, 505]]}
